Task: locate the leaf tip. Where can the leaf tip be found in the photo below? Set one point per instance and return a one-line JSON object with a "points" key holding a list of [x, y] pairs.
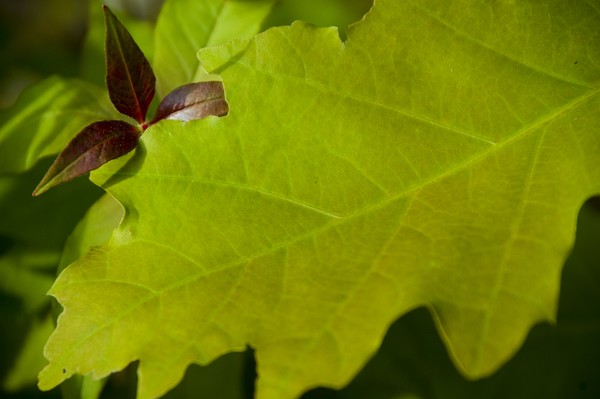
{"points": [[38, 190], [51, 376], [45, 184]]}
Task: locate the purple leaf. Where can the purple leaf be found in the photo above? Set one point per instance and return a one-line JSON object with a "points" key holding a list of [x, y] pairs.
{"points": [[94, 146], [129, 77], [193, 101]]}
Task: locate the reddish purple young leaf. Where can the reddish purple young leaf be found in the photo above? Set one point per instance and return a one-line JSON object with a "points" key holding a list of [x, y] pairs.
{"points": [[193, 101], [129, 77], [94, 146]]}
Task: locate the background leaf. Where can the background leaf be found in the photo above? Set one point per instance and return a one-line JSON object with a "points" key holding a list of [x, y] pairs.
{"points": [[129, 78], [93, 230], [416, 164], [186, 26], [46, 117]]}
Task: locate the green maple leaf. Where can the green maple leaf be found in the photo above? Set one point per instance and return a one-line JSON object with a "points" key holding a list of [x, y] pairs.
{"points": [[437, 158]]}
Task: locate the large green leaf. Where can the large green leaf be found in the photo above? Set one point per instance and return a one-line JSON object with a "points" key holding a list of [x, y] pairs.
{"points": [[438, 157], [46, 117], [186, 26]]}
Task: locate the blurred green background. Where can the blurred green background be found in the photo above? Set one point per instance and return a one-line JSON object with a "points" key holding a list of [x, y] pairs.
{"points": [[39, 38]]}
